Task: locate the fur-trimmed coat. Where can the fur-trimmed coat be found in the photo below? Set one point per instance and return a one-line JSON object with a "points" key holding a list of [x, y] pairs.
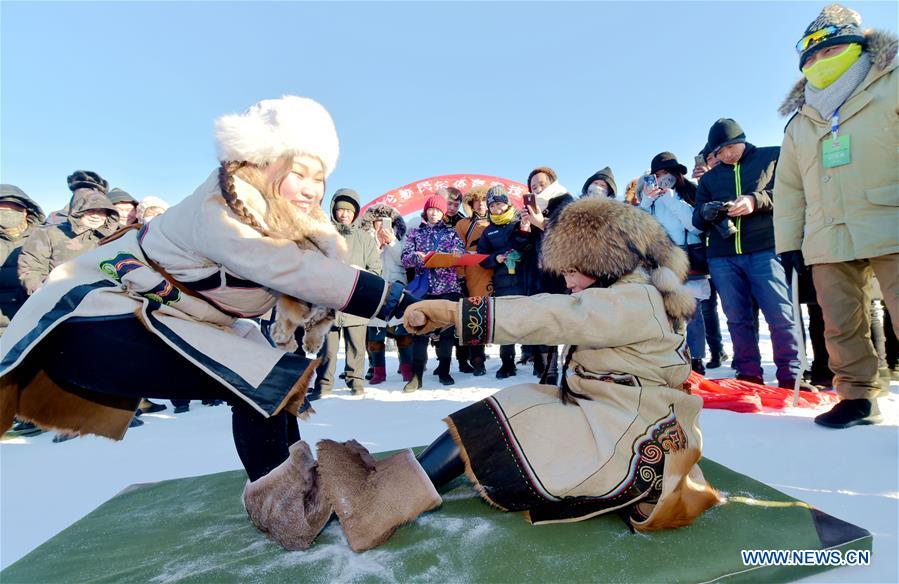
{"points": [[233, 271], [392, 268], [847, 212], [626, 367]]}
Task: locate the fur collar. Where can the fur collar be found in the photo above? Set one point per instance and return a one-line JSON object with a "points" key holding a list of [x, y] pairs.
{"points": [[881, 45], [380, 211]]}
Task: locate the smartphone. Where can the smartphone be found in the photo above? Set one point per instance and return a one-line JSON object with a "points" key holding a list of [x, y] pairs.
{"points": [[649, 182], [699, 160], [387, 223], [530, 200]]}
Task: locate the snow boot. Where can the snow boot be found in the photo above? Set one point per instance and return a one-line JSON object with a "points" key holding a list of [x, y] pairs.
{"points": [[288, 504], [465, 367], [406, 371], [373, 497], [851, 412], [135, 422], [717, 360], [751, 379], [415, 382], [443, 373], [369, 373], [378, 376]]}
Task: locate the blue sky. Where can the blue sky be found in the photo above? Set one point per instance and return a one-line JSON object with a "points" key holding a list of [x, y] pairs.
{"points": [[416, 89]]}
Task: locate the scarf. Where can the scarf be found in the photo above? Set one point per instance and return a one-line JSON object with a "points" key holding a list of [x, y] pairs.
{"points": [[826, 101], [550, 192], [504, 218]]}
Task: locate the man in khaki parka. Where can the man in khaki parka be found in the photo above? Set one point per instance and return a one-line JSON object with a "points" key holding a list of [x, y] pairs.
{"points": [[837, 189]]}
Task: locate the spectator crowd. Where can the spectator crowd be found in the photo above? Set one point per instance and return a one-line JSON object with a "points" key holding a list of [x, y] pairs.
{"points": [[813, 221]]}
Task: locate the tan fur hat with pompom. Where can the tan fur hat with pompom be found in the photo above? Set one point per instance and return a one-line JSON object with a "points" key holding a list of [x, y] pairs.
{"points": [[274, 127], [608, 239]]}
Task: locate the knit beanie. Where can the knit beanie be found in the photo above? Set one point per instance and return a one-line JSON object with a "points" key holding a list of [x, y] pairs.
{"points": [[545, 170], [497, 194], [836, 25], [724, 132], [86, 179], [117, 195], [435, 202], [344, 204]]}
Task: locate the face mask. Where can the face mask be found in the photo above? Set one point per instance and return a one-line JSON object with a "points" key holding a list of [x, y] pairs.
{"points": [[595, 190], [93, 221], [667, 181], [825, 71], [10, 218]]}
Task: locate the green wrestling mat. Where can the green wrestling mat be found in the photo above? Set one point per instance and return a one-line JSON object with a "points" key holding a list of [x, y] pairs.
{"points": [[195, 530]]}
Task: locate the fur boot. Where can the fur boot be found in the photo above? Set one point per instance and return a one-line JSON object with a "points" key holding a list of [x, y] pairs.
{"points": [[373, 497], [287, 504]]}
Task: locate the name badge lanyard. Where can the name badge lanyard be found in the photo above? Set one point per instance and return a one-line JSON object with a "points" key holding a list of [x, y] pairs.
{"points": [[835, 124]]}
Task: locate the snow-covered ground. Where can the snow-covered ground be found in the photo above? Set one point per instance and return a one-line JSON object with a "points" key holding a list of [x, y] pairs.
{"points": [[852, 474]]}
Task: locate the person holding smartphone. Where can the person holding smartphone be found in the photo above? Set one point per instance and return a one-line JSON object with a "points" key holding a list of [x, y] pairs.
{"points": [[668, 196]]}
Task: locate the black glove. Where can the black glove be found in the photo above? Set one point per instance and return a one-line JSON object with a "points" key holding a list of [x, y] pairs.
{"points": [[398, 299], [793, 260], [711, 211]]}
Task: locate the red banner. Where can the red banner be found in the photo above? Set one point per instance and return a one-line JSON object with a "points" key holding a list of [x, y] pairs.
{"points": [[410, 198]]}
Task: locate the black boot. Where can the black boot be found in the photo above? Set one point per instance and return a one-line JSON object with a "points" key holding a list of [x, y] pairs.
{"points": [[465, 367], [370, 373], [507, 369], [477, 364], [418, 371], [539, 359], [442, 461], [443, 373], [697, 366], [851, 412]]}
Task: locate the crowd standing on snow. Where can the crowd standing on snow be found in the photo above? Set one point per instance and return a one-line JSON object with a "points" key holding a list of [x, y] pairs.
{"points": [[611, 428], [824, 208]]}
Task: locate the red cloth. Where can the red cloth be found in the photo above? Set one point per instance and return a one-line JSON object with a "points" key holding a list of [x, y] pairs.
{"points": [[746, 397]]}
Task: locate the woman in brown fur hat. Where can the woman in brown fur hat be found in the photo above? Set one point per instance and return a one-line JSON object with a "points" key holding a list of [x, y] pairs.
{"points": [[477, 279], [175, 293], [619, 433]]}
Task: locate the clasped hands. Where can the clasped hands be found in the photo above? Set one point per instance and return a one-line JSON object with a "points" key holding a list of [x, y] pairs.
{"points": [[429, 315]]}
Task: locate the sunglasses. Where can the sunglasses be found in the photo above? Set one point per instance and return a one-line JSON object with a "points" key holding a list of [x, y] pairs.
{"points": [[815, 38]]}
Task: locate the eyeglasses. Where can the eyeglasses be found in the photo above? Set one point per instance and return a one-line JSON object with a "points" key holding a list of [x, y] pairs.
{"points": [[815, 38]]}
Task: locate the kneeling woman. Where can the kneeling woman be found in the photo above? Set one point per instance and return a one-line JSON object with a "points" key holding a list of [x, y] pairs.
{"points": [[160, 312], [619, 434]]}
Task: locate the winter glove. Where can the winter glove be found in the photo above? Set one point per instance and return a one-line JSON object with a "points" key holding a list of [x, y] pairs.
{"points": [[793, 260], [398, 299], [712, 211], [429, 315]]}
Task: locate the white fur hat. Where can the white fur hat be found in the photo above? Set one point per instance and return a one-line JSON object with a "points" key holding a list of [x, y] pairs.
{"points": [[274, 127]]}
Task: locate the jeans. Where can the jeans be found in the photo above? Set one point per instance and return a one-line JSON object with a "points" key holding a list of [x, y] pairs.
{"points": [[696, 334], [710, 322], [757, 276]]}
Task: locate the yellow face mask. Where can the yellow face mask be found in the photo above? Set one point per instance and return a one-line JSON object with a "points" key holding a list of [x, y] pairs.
{"points": [[825, 71]]}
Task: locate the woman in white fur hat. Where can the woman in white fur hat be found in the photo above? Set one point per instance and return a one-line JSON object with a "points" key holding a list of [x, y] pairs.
{"points": [[177, 292]]}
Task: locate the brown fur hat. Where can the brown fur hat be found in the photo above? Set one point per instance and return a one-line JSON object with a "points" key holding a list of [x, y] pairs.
{"points": [[474, 194], [608, 239]]}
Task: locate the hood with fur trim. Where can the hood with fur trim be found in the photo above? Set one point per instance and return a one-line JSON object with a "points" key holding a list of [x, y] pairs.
{"points": [[881, 45], [274, 127], [381, 211], [473, 194], [608, 239]]}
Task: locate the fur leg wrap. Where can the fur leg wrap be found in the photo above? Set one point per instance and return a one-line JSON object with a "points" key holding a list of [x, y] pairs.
{"points": [[373, 497], [287, 504]]}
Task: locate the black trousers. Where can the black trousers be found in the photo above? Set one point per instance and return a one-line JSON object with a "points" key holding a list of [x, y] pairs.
{"points": [[120, 357]]}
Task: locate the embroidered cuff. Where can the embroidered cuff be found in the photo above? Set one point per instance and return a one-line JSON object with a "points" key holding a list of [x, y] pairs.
{"points": [[367, 295], [476, 318]]}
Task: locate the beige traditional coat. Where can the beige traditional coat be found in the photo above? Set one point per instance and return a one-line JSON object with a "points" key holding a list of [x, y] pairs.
{"points": [[233, 270], [849, 212], [527, 450]]}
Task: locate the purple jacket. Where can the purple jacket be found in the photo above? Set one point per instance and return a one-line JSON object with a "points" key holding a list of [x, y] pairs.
{"points": [[441, 238]]}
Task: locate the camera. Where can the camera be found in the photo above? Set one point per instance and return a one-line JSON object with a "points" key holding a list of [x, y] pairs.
{"points": [[715, 212]]}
